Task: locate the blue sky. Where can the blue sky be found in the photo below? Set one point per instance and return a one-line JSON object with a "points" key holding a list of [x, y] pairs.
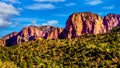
{"points": [[16, 14]]}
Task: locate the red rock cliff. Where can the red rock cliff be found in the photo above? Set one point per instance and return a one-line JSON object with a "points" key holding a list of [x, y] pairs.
{"points": [[110, 21], [82, 23], [31, 33]]}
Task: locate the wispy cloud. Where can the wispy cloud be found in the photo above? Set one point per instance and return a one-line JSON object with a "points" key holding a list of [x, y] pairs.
{"points": [[12, 1], [40, 6], [33, 22], [23, 19], [50, 0], [4, 23], [8, 9], [93, 2], [109, 7], [51, 23], [6, 12], [15, 24], [19, 9], [70, 4]]}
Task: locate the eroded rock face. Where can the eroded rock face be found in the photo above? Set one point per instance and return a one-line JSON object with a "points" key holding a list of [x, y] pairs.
{"points": [[110, 21], [31, 33], [27, 34], [82, 23]]}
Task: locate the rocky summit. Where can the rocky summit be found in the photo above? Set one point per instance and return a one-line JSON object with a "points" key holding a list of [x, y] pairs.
{"points": [[87, 22], [82, 23], [77, 24]]}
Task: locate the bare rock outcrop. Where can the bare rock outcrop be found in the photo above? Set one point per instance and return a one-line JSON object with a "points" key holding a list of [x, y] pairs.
{"points": [[110, 21], [82, 23], [31, 33]]}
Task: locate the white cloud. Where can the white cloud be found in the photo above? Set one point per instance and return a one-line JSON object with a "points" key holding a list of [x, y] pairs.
{"points": [[70, 4], [6, 11], [4, 23], [50, 0], [51, 23], [33, 22], [109, 7], [12, 1], [19, 9], [93, 2], [40, 6]]}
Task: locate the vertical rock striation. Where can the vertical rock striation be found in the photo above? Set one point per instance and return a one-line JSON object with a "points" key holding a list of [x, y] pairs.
{"points": [[82, 23]]}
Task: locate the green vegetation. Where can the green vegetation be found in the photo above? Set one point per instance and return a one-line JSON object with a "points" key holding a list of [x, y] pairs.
{"points": [[7, 64], [87, 51]]}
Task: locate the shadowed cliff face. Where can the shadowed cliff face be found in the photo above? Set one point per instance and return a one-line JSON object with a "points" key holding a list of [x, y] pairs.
{"points": [[9, 39], [76, 25]]}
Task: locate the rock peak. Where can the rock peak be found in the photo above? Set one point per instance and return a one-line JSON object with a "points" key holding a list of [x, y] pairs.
{"points": [[82, 23]]}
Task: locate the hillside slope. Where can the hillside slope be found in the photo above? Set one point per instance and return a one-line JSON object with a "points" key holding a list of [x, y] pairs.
{"points": [[100, 50]]}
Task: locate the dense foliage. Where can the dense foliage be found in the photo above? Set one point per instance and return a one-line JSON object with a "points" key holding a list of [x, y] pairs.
{"points": [[85, 51]]}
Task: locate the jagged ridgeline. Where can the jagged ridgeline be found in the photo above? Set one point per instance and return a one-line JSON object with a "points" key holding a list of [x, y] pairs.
{"points": [[77, 25], [89, 51]]}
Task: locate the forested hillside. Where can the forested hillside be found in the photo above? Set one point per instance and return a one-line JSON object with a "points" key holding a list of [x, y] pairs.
{"points": [[89, 50]]}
